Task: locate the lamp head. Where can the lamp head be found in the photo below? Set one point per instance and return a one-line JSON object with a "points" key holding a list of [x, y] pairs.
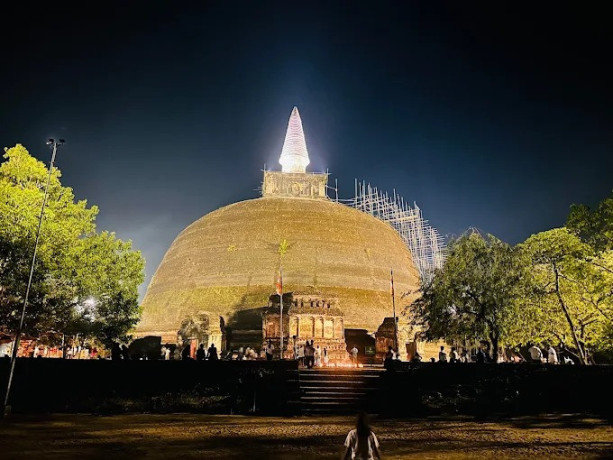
{"points": [[50, 141]]}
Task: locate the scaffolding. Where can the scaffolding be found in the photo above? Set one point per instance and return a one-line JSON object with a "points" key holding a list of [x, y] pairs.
{"points": [[425, 243]]}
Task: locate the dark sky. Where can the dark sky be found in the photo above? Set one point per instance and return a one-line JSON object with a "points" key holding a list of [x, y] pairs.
{"points": [[492, 115]]}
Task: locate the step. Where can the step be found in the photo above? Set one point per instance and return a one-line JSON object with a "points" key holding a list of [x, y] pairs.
{"points": [[335, 403], [334, 398], [337, 391], [349, 378], [339, 385], [346, 378], [330, 391], [343, 372]]}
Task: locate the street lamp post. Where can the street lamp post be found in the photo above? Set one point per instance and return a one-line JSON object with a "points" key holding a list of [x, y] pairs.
{"points": [[5, 407]]}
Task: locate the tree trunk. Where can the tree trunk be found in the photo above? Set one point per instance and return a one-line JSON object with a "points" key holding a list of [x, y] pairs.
{"points": [[494, 339], [568, 317]]}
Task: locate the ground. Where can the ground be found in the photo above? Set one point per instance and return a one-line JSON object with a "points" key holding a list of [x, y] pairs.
{"points": [[217, 437]]}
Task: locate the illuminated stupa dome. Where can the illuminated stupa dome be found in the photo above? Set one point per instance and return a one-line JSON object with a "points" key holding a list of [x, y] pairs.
{"points": [[225, 264]]}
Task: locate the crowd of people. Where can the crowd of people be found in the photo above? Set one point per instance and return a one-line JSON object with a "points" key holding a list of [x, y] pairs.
{"points": [[310, 355], [536, 355]]}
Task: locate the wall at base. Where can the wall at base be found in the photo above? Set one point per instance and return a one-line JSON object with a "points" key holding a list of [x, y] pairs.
{"points": [[495, 389], [103, 386]]}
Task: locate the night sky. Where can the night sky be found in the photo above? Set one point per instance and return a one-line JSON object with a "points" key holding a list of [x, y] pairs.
{"points": [[489, 116]]}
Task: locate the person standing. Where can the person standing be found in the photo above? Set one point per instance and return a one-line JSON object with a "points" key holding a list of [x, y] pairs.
{"points": [[115, 352], [326, 359], [361, 442], [317, 356], [309, 354], [465, 356], [301, 355], [201, 353], [388, 359], [213, 353], [186, 353], [442, 355], [295, 348], [270, 349], [552, 356], [536, 355], [354, 356], [125, 353], [454, 357]]}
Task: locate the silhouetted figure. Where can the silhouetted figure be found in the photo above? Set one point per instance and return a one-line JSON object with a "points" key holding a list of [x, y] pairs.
{"points": [[270, 349], [115, 352], [125, 353], [442, 355], [201, 353], [309, 354], [186, 352], [416, 358], [453, 356], [480, 356], [213, 353], [389, 357], [361, 442]]}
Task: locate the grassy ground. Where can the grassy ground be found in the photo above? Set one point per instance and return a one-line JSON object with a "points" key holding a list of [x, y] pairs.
{"points": [[216, 437]]}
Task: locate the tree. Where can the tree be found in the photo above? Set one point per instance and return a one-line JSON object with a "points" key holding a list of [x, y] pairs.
{"points": [[474, 294], [74, 262], [570, 291], [594, 227]]}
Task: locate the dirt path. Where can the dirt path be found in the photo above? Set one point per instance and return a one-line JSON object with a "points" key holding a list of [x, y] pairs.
{"points": [[216, 437]]}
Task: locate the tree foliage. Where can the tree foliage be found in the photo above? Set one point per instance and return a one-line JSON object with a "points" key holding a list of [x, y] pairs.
{"points": [[74, 261], [474, 295], [569, 292], [594, 227], [555, 288]]}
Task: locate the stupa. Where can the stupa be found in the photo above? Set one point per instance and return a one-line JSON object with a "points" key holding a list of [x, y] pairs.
{"points": [[221, 269]]}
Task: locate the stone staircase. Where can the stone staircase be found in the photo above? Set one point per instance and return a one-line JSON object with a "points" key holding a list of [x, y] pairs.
{"points": [[338, 391]]}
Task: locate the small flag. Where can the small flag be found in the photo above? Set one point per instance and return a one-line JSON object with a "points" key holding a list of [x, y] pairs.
{"points": [[280, 283], [392, 282]]}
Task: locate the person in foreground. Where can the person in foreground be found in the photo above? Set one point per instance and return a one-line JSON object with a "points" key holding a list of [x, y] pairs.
{"points": [[361, 442]]}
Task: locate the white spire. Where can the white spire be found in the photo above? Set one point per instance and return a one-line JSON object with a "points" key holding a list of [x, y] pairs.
{"points": [[294, 156]]}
